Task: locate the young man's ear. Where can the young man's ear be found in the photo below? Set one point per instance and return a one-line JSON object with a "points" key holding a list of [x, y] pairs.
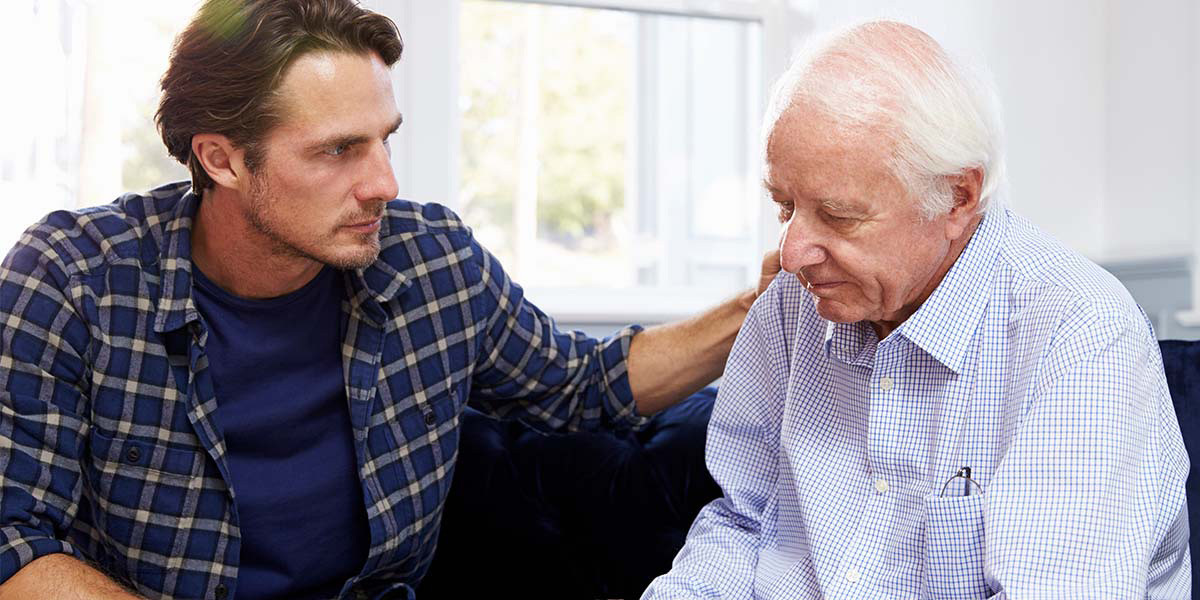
{"points": [[965, 187], [222, 160]]}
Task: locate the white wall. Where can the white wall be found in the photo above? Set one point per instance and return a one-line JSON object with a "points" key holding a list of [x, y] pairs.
{"points": [[1152, 104]]}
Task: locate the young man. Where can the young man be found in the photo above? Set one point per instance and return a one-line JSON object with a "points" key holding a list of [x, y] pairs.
{"points": [[250, 385]]}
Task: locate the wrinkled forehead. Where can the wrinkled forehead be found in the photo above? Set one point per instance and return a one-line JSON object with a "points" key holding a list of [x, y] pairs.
{"points": [[807, 134]]}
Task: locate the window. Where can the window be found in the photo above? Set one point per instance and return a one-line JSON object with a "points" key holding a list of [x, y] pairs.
{"points": [[608, 156], [610, 150], [82, 131]]}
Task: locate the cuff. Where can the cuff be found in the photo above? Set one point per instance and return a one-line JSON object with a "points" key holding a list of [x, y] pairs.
{"points": [[22, 544], [620, 406]]}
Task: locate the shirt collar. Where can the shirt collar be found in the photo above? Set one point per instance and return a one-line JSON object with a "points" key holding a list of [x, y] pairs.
{"points": [[379, 281], [175, 305], [850, 343], [946, 323]]}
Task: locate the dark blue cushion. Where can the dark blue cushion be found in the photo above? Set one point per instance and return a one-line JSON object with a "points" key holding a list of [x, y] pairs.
{"points": [[1181, 361], [582, 515]]}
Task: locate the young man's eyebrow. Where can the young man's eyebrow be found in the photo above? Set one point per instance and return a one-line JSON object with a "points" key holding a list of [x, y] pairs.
{"points": [[354, 138]]}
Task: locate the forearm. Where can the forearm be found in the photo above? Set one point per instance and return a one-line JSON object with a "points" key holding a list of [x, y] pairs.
{"points": [[62, 577], [669, 362]]}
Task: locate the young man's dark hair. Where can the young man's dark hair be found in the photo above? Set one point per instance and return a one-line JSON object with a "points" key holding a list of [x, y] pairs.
{"points": [[228, 63]]}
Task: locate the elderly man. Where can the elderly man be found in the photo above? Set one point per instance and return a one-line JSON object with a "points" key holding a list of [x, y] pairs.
{"points": [[249, 385], [937, 400]]}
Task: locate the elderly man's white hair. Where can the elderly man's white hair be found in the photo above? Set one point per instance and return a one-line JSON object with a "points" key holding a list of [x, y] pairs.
{"points": [[891, 79]]}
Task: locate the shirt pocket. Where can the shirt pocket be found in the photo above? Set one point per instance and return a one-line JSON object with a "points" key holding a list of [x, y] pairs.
{"points": [[144, 495], [954, 546]]}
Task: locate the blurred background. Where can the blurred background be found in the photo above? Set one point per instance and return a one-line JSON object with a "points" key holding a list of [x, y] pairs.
{"points": [[608, 151]]}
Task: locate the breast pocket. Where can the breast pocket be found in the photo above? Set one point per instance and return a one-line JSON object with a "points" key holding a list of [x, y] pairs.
{"points": [[954, 544], [144, 496]]}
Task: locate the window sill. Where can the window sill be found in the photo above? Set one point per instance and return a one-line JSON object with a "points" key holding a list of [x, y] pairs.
{"points": [[645, 306]]}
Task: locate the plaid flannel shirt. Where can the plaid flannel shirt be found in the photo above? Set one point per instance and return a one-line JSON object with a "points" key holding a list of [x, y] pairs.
{"points": [[109, 449]]}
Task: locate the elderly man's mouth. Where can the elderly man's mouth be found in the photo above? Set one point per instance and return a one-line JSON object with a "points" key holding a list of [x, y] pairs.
{"points": [[823, 287]]}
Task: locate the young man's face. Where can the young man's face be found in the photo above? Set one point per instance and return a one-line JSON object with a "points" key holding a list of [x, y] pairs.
{"points": [[325, 171]]}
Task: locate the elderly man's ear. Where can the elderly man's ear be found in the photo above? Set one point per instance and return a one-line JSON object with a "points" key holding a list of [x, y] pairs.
{"points": [[966, 187]]}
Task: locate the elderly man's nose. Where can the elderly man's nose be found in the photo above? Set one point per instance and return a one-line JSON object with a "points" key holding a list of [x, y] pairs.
{"points": [[797, 249]]}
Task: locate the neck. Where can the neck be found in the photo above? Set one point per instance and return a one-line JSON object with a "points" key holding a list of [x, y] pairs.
{"points": [[885, 327], [240, 258]]}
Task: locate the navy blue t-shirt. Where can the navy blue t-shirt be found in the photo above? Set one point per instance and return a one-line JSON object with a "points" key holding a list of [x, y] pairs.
{"points": [[281, 402]]}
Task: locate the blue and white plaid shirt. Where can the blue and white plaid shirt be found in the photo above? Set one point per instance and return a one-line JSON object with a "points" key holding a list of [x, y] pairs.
{"points": [[1028, 364], [109, 448]]}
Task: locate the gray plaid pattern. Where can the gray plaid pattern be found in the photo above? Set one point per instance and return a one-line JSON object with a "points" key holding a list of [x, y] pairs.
{"points": [[108, 446]]}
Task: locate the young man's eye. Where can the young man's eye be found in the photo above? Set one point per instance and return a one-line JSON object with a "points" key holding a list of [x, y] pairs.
{"points": [[337, 150]]}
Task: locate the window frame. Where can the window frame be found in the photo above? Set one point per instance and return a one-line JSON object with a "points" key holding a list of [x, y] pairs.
{"points": [[425, 155]]}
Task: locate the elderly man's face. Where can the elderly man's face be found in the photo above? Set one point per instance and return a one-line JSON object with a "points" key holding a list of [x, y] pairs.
{"points": [[851, 230]]}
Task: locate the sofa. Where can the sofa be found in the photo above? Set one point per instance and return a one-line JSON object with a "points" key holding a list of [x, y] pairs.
{"points": [[598, 515]]}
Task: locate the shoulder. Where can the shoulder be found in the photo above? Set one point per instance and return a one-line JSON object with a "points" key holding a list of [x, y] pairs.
{"points": [[412, 226], [1050, 286], [78, 242], [419, 239], [406, 219]]}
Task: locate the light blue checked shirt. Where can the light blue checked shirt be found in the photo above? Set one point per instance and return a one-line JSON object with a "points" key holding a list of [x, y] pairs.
{"points": [[1028, 364]]}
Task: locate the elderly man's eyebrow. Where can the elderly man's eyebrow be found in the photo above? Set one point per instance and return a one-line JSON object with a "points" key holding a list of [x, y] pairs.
{"points": [[842, 207], [353, 138], [772, 190]]}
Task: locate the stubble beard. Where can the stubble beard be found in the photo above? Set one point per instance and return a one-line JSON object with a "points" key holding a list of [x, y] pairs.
{"points": [[261, 199]]}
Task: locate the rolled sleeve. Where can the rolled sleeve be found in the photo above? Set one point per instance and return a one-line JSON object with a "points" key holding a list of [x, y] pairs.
{"points": [[22, 544], [41, 348]]}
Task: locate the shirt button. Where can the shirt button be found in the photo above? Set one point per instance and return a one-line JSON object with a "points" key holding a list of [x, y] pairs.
{"points": [[885, 383], [852, 575], [133, 455], [221, 592], [881, 486], [430, 419]]}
